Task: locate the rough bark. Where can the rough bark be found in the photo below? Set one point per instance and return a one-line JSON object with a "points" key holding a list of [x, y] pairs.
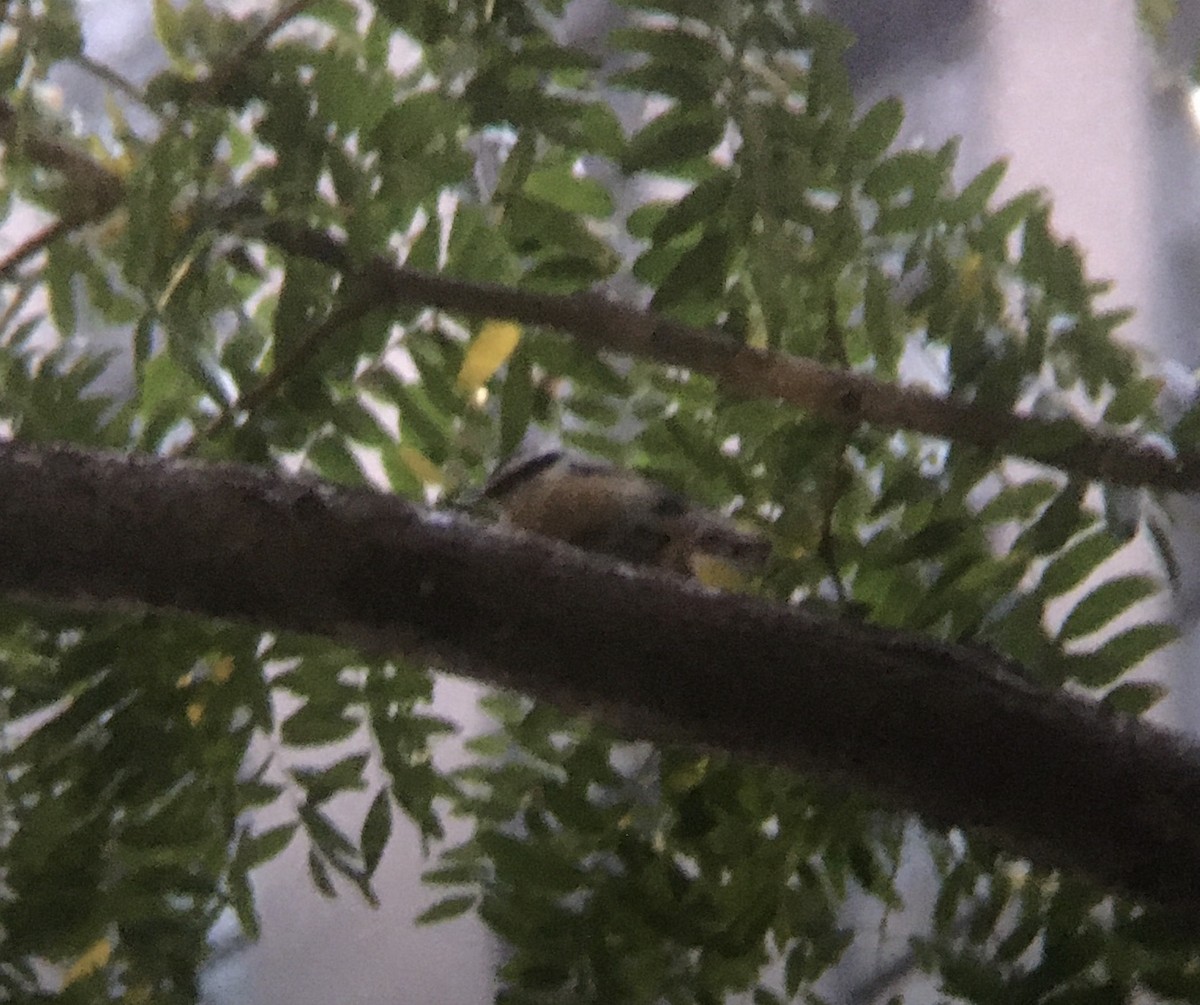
{"points": [[948, 731]]}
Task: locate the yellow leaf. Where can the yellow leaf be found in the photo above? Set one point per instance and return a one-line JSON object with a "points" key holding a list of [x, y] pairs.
{"points": [[421, 466], [195, 712], [223, 669], [177, 277], [687, 776], [487, 353], [92, 959]]}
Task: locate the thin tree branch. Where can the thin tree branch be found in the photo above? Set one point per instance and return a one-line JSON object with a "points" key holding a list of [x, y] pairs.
{"points": [[838, 395], [343, 314], [111, 77], [31, 246], [949, 731]]}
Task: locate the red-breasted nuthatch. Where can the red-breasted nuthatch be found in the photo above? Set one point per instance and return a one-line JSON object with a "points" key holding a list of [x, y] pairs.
{"points": [[599, 507]]}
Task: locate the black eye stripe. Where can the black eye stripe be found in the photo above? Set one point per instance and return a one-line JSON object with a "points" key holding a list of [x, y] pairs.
{"points": [[504, 482]]}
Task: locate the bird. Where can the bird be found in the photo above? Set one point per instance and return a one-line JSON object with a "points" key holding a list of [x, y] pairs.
{"points": [[599, 507]]}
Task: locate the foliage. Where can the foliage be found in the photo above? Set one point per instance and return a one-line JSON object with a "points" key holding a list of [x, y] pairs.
{"points": [[465, 138]]}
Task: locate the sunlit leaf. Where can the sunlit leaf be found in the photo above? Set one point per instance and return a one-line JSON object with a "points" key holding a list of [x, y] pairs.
{"points": [[94, 958]]}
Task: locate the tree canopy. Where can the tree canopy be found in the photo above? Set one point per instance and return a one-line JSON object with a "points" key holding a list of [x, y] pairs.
{"points": [[382, 243]]}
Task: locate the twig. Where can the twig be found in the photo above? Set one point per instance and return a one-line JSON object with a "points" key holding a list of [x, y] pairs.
{"points": [[110, 77], [342, 314], [30, 247]]}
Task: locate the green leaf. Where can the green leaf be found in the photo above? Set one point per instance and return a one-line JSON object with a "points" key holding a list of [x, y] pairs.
{"points": [[643, 220], [321, 784], [910, 171], [360, 424], [401, 477], [339, 14], [1047, 441], [699, 275], [973, 199], [64, 261], [1059, 522], [526, 860], [681, 64], [445, 909], [345, 95], [568, 273], [315, 726], [884, 335], [255, 850], [241, 897], [255, 792], [1125, 651], [335, 461], [168, 27], [1134, 697], [1072, 566], [1018, 502], [458, 874], [198, 360], [420, 424], [598, 130], [1107, 601], [320, 876], [331, 842], [1155, 17], [1006, 219], [875, 131], [303, 299], [376, 830], [675, 47], [930, 540], [418, 125], [1185, 434], [537, 227], [673, 139], [691, 85], [709, 199], [163, 387], [1133, 401], [516, 403], [560, 187]]}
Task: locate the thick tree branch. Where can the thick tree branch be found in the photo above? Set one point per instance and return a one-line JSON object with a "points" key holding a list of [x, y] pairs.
{"points": [[948, 731]]}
